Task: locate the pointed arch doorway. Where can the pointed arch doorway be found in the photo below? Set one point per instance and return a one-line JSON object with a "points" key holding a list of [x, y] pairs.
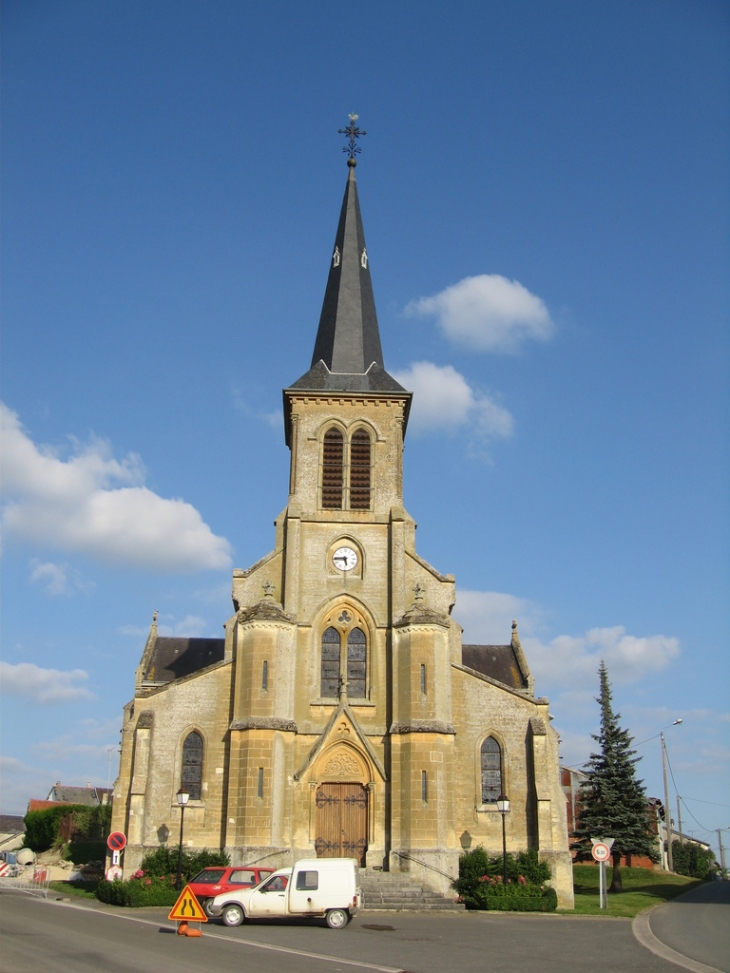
{"points": [[342, 820]]}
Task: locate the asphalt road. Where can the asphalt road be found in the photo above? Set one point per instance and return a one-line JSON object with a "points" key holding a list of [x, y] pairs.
{"points": [[697, 925], [50, 936]]}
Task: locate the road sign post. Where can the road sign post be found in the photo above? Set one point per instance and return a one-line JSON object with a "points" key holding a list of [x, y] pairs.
{"points": [[601, 852], [187, 909]]}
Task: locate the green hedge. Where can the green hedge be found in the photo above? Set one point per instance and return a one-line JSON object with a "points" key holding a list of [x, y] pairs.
{"points": [[137, 892], [513, 898], [83, 852], [89, 824]]}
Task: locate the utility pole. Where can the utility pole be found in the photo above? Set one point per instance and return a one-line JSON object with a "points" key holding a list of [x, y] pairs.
{"points": [[679, 820], [722, 851], [667, 808]]}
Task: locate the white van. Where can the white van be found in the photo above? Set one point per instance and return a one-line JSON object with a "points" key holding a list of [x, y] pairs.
{"points": [[314, 888]]}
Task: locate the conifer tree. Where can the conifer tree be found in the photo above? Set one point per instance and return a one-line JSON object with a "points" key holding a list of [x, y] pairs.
{"points": [[613, 800]]}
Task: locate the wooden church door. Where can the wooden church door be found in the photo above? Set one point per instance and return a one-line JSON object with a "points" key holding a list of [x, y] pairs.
{"points": [[342, 821]]}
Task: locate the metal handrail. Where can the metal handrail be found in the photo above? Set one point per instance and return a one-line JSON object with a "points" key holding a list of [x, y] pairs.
{"points": [[419, 861]]}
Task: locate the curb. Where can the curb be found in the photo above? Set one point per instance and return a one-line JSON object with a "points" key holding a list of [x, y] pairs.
{"points": [[645, 937]]}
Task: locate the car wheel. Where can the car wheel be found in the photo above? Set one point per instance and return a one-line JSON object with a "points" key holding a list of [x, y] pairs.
{"points": [[337, 918], [206, 904], [232, 915]]}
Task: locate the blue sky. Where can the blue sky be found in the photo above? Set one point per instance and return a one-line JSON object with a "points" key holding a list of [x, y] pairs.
{"points": [[545, 196]]}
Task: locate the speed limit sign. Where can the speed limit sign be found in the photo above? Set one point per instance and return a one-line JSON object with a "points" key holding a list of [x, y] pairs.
{"points": [[600, 852]]}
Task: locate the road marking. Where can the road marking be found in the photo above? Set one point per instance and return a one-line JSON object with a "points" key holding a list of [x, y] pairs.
{"points": [[642, 932], [246, 942]]}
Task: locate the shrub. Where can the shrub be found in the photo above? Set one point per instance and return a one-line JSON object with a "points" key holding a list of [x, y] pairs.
{"points": [[691, 859], [83, 852], [42, 827], [155, 882], [163, 861], [137, 892], [480, 882]]}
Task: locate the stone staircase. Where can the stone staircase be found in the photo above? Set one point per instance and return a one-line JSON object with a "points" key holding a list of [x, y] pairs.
{"points": [[397, 892]]}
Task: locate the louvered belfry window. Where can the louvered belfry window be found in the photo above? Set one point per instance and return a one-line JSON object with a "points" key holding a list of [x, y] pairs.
{"points": [[360, 471], [332, 470], [491, 755], [356, 663], [192, 765], [330, 685]]}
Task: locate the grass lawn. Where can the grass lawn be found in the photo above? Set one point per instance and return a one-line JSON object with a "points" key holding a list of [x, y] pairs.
{"points": [[86, 890], [643, 888]]}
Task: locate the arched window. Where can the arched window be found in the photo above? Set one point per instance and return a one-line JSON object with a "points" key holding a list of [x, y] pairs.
{"points": [[332, 470], [360, 471], [192, 765], [356, 663], [330, 683], [491, 755]]}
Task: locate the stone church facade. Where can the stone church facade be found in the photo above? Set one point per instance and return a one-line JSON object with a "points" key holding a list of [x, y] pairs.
{"points": [[341, 714]]}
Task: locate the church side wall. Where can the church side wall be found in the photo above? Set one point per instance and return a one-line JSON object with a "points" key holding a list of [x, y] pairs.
{"points": [[151, 763], [530, 776]]}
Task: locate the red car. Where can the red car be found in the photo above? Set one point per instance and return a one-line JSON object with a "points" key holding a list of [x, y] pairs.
{"points": [[214, 880]]}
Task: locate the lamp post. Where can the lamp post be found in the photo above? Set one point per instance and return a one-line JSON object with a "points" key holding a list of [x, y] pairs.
{"points": [[503, 808], [182, 799]]}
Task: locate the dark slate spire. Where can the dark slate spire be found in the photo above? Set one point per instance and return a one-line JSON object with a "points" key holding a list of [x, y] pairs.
{"points": [[347, 354]]}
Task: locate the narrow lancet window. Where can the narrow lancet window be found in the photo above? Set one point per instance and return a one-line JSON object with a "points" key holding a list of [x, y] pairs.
{"points": [[330, 681], [192, 765], [491, 756], [332, 470], [360, 471], [356, 663]]}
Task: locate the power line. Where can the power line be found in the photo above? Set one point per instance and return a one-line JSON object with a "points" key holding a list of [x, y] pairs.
{"points": [[676, 791]]}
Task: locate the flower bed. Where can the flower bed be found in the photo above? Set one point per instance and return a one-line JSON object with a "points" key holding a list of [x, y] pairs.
{"points": [[480, 883], [140, 890]]}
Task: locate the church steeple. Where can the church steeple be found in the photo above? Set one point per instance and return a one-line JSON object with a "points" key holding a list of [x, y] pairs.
{"points": [[347, 353]]}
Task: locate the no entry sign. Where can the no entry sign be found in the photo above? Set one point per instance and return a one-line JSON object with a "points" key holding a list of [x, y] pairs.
{"points": [[600, 852], [116, 841]]}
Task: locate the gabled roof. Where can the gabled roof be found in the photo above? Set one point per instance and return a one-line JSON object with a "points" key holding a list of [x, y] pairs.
{"points": [[505, 663], [172, 658]]}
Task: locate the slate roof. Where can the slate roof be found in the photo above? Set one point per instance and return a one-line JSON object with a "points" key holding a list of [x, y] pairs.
{"points": [[173, 658], [347, 353], [496, 661], [11, 824]]}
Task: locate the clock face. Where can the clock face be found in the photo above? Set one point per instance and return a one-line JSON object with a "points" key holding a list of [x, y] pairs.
{"points": [[345, 558]]}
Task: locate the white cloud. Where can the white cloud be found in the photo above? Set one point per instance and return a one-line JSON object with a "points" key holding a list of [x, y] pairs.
{"points": [[574, 660], [486, 616], [96, 505], [443, 399], [58, 579], [191, 626], [568, 664], [488, 313], [43, 685]]}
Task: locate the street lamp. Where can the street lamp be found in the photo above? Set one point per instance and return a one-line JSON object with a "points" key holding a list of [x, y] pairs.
{"points": [[503, 808], [182, 799]]}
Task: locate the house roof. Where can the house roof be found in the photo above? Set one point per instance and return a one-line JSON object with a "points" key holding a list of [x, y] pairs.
{"points": [[499, 662], [172, 658], [11, 824]]}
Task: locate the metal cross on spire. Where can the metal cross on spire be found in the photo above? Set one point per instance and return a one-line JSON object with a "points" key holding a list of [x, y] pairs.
{"points": [[353, 133]]}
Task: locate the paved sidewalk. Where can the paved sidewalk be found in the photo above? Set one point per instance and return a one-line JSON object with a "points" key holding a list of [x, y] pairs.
{"points": [[692, 931]]}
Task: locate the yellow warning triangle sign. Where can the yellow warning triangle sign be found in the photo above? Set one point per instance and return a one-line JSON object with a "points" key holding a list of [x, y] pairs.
{"points": [[188, 907]]}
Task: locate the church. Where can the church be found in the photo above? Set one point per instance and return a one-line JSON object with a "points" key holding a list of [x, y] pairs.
{"points": [[341, 715]]}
